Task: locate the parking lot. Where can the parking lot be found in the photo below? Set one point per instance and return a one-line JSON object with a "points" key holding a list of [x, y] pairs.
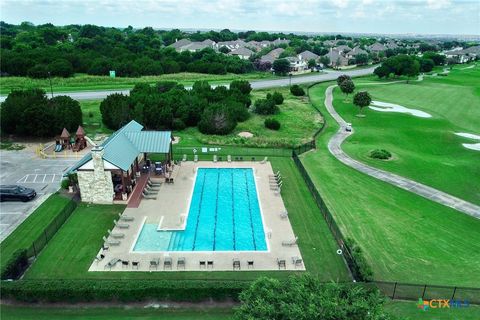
{"points": [[26, 169]]}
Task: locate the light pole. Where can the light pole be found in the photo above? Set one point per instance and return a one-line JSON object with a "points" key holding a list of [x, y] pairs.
{"points": [[50, 79], [290, 79]]}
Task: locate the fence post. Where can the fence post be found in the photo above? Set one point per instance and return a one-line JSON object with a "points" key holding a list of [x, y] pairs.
{"points": [[424, 289], [394, 289], [454, 291]]}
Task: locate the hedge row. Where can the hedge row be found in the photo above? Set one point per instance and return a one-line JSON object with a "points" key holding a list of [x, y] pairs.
{"points": [[361, 267], [16, 265], [73, 291]]}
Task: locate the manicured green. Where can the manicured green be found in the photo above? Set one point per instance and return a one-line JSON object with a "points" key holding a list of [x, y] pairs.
{"points": [[111, 313], [408, 310], [70, 253], [32, 227], [404, 237], [424, 149]]}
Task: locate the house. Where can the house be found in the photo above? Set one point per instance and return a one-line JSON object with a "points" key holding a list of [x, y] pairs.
{"points": [[180, 43], [242, 53], [343, 48], [391, 45], [377, 47], [297, 64], [464, 55], [194, 47], [330, 43], [272, 55], [231, 45], [110, 171], [279, 41], [308, 55], [337, 58], [355, 52]]}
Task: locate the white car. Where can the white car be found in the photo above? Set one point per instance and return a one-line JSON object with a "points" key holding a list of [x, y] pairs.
{"points": [[348, 128]]}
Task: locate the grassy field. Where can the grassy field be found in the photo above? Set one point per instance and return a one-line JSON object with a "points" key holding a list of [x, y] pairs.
{"points": [[424, 149], [298, 123], [32, 227], [111, 313], [408, 310], [404, 237], [72, 250]]}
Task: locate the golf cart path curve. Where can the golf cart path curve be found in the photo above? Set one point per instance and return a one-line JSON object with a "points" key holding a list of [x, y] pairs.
{"points": [[334, 146]]}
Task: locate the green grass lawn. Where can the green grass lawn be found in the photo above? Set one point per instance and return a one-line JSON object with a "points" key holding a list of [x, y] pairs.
{"points": [[32, 227], [404, 237], [110, 313], [424, 149], [298, 123], [72, 250], [83, 82], [407, 310]]}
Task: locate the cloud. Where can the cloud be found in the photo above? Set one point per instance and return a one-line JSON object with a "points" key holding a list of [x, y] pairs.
{"points": [[438, 4]]}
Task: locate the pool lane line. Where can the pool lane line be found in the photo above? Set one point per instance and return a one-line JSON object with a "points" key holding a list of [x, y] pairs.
{"points": [[199, 210], [233, 216], [250, 210], [216, 211]]}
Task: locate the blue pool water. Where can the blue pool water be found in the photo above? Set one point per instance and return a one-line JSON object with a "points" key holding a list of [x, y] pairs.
{"points": [[224, 216]]}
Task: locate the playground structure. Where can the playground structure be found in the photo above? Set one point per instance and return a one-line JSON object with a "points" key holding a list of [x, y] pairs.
{"points": [[66, 142]]}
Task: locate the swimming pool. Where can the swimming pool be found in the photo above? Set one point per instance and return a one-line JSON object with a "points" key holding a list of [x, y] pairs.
{"points": [[224, 215]]}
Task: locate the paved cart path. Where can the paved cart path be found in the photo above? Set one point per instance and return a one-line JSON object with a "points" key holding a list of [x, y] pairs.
{"points": [[259, 84], [334, 146]]}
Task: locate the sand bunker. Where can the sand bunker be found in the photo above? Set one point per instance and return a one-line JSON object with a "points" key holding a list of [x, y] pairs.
{"points": [[391, 107], [245, 134], [471, 146]]}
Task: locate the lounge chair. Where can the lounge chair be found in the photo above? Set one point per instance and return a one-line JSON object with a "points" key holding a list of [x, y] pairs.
{"points": [[112, 263], [99, 257], [149, 196], [264, 160], [181, 263], [125, 218], [154, 263], [277, 191], [115, 235], [152, 183], [135, 264], [297, 262], [210, 264], [250, 264], [276, 187], [184, 158], [281, 264], [276, 174], [284, 214], [111, 242], [229, 158], [290, 243], [125, 263], [150, 192], [121, 225], [167, 263], [202, 264], [152, 188], [215, 158], [195, 158], [236, 264]]}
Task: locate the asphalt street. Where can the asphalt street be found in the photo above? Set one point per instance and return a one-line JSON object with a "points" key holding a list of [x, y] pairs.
{"points": [[24, 168], [259, 84]]}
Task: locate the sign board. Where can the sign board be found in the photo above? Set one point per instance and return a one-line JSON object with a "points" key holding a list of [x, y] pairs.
{"points": [[112, 73]]}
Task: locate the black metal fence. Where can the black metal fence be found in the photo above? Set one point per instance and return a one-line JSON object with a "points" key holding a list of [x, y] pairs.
{"points": [[50, 230]]}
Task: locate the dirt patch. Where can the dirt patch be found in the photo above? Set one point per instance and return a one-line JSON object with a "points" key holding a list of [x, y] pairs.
{"points": [[245, 134]]}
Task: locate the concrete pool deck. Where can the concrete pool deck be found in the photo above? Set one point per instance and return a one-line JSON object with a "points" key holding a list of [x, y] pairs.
{"points": [[171, 209]]}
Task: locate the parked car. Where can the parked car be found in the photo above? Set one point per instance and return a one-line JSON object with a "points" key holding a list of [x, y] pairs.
{"points": [[348, 128], [12, 192]]}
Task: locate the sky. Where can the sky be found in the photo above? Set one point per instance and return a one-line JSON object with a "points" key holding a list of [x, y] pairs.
{"points": [[358, 16]]}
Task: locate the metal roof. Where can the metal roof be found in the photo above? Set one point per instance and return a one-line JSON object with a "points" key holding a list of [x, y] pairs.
{"points": [[124, 145]]}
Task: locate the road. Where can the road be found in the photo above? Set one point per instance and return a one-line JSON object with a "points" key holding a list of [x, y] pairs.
{"points": [[259, 84], [334, 146], [26, 169]]}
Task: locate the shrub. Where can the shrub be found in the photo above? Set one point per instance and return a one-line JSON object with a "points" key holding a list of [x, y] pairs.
{"points": [[16, 265], [297, 91], [361, 268], [65, 183], [241, 85], [272, 124], [217, 119], [380, 154], [178, 124], [38, 71], [265, 107], [342, 78], [277, 97]]}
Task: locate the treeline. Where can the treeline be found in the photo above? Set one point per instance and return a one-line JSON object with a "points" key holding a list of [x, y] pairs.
{"points": [[168, 105], [30, 113], [410, 66], [36, 51]]}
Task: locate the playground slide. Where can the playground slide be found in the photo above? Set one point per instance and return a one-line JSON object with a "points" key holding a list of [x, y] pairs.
{"points": [[58, 148]]}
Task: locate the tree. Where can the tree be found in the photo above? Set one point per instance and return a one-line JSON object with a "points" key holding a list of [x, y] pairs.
{"points": [[265, 107], [342, 78], [224, 49], [325, 60], [241, 85], [277, 98], [297, 91], [312, 63], [382, 71], [61, 68], [347, 87], [361, 59], [362, 99], [306, 298], [438, 59], [426, 65], [115, 111], [38, 71], [217, 119], [281, 66], [66, 113]]}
